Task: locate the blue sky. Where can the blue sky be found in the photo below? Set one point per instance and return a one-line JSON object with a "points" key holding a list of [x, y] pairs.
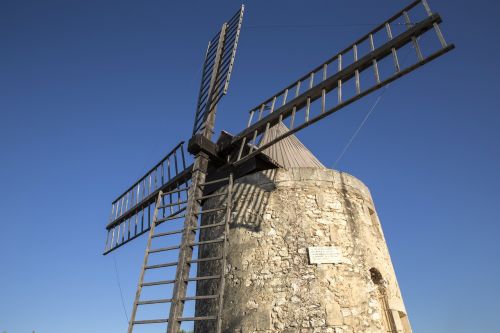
{"points": [[92, 93]]}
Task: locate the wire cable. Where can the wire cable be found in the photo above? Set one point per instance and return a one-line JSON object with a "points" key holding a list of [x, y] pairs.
{"points": [[300, 26], [120, 288], [377, 101], [360, 126], [265, 26]]}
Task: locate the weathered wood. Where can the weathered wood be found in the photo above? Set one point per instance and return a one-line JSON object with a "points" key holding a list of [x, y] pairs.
{"points": [[181, 178], [345, 50], [200, 168], [345, 74], [144, 264], [347, 102], [227, 220], [186, 251]]}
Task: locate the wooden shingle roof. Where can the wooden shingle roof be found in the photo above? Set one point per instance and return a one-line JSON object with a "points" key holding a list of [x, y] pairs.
{"points": [[289, 152]]}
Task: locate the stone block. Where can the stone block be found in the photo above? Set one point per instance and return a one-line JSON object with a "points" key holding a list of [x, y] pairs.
{"points": [[333, 314], [290, 330], [262, 319]]}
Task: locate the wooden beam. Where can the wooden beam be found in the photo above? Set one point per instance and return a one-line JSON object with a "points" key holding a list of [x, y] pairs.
{"points": [[331, 83]]}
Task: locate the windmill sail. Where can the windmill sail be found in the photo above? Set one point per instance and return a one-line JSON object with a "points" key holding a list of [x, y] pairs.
{"points": [[217, 69], [131, 213], [325, 89]]}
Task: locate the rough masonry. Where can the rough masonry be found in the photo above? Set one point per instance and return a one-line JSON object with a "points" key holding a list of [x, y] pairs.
{"points": [[271, 285]]}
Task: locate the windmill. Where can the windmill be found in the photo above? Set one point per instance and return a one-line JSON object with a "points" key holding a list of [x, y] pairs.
{"points": [[174, 194]]}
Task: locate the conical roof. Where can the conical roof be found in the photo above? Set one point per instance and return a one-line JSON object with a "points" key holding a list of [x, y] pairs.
{"points": [[288, 152]]}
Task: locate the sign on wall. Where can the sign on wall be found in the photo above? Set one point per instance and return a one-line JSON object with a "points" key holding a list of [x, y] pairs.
{"points": [[325, 255]]}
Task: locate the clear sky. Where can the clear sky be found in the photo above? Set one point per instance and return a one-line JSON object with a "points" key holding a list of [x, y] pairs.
{"points": [[92, 93]]}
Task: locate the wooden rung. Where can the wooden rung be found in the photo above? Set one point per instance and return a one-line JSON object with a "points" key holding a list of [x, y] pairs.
{"points": [[252, 143], [264, 136], [211, 210], [201, 278], [413, 39], [215, 181], [308, 108], [162, 249], [393, 50], [197, 278], [250, 118], [209, 226], [164, 219], [194, 298], [240, 152], [339, 81], [374, 62], [212, 196], [155, 301], [168, 233], [167, 264], [356, 72], [194, 261], [440, 35], [297, 88], [197, 318], [173, 204], [206, 242], [273, 104], [285, 96], [174, 191], [292, 120], [150, 321], [157, 283], [323, 101]]}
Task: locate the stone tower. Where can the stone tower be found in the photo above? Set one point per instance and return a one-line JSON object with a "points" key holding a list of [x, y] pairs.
{"points": [[307, 253]]}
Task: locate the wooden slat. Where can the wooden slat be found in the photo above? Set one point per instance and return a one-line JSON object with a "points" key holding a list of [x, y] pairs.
{"points": [[180, 179], [359, 41], [168, 233], [348, 102], [150, 321], [157, 283], [143, 270], [345, 74], [197, 318], [155, 301]]}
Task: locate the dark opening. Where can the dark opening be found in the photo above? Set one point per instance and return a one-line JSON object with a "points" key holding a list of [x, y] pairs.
{"points": [[376, 276]]}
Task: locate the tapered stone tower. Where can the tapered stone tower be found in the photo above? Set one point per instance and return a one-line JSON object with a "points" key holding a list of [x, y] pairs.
{"points": [[307, 252]]}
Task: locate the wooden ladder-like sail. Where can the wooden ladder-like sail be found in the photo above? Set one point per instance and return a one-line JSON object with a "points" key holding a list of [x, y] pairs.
{"points": [[360, 67], [195, 235]]}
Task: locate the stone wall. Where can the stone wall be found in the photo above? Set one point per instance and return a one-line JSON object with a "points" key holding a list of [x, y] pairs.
{"points": [[271, 285]]}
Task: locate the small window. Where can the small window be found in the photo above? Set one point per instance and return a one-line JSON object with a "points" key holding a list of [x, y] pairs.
{"points": [[376, 276], [374, 220], [405, 322]]}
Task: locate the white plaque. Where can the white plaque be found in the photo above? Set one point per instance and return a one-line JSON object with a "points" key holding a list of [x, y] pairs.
{"points": [[325, 255]]}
